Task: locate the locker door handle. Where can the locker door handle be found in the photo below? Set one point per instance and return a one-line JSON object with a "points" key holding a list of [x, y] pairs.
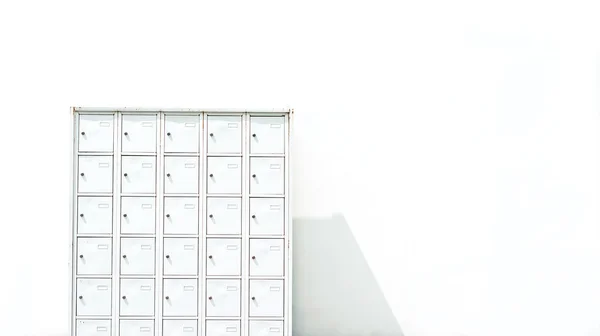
{"points": [[166, 297], [211, 175], [168, 215], [253, 257], [209, 257], [125, 174], [82, 174], [211, 134], [211, 216], [168, 133], [253, 216], [210, 297], [82, 133], [253, 298], [124, 256], [253, 175], [124, 297], [168, 175], [126, 134], [167, 256], [80, 297], [81, 256], [254, 135], [80, 215], [124, 215]]}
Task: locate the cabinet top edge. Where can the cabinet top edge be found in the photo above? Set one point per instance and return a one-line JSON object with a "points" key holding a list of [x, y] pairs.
{"points": [[180, 110]]}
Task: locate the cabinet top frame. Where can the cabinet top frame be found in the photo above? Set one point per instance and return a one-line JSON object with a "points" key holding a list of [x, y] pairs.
{"points": [[77, 109]]}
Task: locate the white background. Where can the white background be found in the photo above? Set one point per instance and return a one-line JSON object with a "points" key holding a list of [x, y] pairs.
{"points": [[446, 152]]}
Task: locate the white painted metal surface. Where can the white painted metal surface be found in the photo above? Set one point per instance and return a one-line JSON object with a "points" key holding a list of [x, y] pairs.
{"points": [[180, 223]]}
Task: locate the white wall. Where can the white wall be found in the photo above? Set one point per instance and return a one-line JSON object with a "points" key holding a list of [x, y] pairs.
{"points": [[446, 154]]}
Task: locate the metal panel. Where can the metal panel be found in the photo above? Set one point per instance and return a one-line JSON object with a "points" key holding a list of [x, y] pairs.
{"points": [[137, 297], [267, 176], [223, 298], [223, 328], [181, 175], [181, 256], [224, 215], [224, 175], [182, 134], [181, 215], [180, 297], [267, 216], [223, 256]]}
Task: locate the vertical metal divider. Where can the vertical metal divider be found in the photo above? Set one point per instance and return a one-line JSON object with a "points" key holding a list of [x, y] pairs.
{"points": [[287, 282], [158, 234], [201, 216], [202, 227], [245, 223], [73, 225], [116, 228]]}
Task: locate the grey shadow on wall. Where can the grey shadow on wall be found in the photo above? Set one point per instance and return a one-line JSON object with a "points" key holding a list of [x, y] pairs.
{"points": [[334, 290]]}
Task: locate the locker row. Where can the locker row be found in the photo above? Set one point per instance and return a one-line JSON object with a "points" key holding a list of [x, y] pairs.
{"points": [[181, 215], [222, 298], [179, 328], [223, 256], [181, 175], [182, 134]]}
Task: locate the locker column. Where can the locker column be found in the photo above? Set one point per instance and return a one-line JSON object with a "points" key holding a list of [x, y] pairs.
{"points": [[93, 224], [136, 229], [266, 225]]}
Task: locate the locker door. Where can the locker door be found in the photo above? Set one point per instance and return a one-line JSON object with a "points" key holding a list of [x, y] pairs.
{"points": [[182, 133], [224, 175], [95, 215], [94, 256], [95, 132], [138, 174], [265, 328], [95, 174], [93, 328], [180, 328], [181, 256], [136, 328], [138, 134], [222, 328], [224, 215], [181, 215], [180, 297], [138, 215], [224, 134], [266, 216], [223, 256], [137, 297], [267, 135], [93, 297], [266, 257], [266, 298], [223, 297], [266, 176], [137, 256], [181, 175]]}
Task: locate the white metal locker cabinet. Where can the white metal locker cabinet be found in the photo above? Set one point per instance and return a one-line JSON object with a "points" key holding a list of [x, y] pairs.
{"points": [[266, 298], [223, 256], [181, 175], [224, 175], [180, 328], [267, 217], [223, 297], [181, 297], [137, 256], [181, 256], [266, 328], [137, 297], [138, 133], [95, 215], [96, 133], [224, 216], [138, 215], [266, 176], [95, 256], [95, 174], [224, 134], [180, 222], [268, 135], [136, 328], [266, 257], [181, 215], [182, 133], [223, 328], [93, 328], [93, 297], [139, 175]]}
